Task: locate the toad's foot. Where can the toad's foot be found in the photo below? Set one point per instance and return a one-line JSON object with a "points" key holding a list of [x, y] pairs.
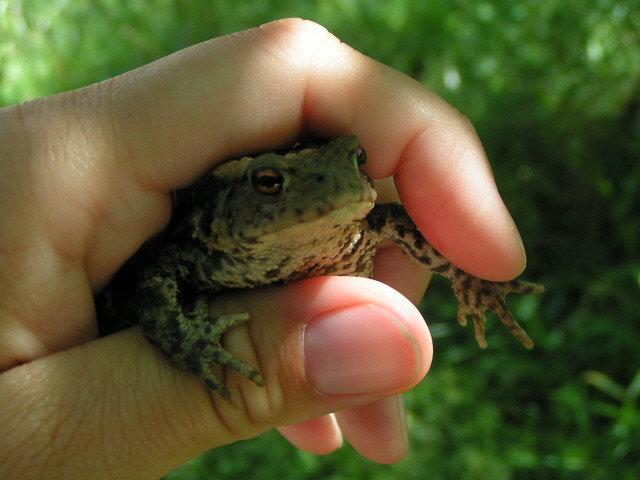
{"points": [[209, 352], [189, 336], [476, 295], [200, 350]]}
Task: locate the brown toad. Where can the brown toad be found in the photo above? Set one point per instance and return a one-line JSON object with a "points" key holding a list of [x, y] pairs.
{"points": [[272, 219]]}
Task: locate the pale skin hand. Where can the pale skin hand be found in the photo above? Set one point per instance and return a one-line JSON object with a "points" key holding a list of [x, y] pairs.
{"points": [[85, 180]]}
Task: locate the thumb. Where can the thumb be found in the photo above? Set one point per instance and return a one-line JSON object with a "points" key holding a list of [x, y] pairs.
{"points": [[322, 345]]}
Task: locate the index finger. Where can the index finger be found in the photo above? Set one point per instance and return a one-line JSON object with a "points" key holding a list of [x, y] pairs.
{"points": [[266, 87]]}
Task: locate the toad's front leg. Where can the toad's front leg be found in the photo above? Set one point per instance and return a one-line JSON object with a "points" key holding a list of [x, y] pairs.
{"points": [[474, 294], [188, 335]]}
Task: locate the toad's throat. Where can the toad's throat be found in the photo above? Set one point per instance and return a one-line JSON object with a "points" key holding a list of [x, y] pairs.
{"points": [[312, 222]]}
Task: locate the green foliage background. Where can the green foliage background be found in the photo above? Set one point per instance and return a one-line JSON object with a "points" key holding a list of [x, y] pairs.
{"points": [[553, 88]]}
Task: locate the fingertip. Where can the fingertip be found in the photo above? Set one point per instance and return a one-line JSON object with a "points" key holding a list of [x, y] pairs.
{"points": [[449, 190], [377, 430], [360, 349], [318, 436], [365, 323]]}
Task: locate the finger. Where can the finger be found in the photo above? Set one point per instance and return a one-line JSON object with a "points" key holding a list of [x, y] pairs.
{"points": [[165, 123], [392, 267], [318, 436], [121, 389], [377, 430]]}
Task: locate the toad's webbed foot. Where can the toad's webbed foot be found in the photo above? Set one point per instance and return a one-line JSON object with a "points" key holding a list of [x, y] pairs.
{"points": [[475, 296], [189, 336], [209, 352]]}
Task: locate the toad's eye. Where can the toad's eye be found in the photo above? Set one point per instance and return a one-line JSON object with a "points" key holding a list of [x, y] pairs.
{"points": [[267, 181], [361, 157]]}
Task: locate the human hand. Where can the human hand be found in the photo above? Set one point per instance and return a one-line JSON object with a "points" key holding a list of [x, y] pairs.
{"points": [[86, 180]]}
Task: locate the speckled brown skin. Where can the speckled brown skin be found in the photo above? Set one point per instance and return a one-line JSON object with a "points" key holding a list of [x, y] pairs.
{"points": [[272, 219]]}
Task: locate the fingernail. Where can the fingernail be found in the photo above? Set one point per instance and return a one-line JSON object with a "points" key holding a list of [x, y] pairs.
{"points": [[359, 349]]}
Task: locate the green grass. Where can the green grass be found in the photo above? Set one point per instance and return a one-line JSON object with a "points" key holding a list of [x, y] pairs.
{"points": [[553, 89]]}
